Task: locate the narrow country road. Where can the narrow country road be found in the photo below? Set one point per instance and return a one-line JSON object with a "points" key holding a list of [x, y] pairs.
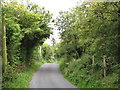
{"points": [[49, 76]]}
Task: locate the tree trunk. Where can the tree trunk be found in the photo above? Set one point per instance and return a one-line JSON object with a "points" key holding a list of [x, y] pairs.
{"points": [[4, 47], [40, 51]]}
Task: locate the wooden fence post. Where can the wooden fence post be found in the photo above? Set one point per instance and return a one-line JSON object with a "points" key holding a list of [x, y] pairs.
{"points": [[104, 64], [4, 47], [93, 63]]}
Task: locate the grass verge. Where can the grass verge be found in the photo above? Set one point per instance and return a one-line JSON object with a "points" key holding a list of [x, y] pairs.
{"points": [[23, 78]]}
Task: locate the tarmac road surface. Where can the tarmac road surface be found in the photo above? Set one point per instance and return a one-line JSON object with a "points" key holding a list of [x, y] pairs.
{"points": [[49, 76]]}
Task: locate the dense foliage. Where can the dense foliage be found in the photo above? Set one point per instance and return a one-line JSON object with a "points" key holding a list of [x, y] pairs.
{"points": [[89, 45], [88, 50], [46, 51], [27, 27]]}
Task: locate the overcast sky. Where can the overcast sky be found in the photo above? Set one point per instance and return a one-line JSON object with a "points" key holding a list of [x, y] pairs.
{"points": [[54, 6]]}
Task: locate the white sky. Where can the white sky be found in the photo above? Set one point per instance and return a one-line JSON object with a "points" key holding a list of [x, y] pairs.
{"points": [[54, 6]]}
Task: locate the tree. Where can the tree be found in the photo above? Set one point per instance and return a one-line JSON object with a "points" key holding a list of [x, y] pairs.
{"points": [[26, 28], [89, 34]]}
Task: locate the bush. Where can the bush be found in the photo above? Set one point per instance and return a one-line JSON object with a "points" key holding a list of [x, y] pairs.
{"points": [[9, 76]]}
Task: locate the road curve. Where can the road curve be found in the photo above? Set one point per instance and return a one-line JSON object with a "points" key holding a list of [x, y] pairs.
{"points": [[49, 76]]}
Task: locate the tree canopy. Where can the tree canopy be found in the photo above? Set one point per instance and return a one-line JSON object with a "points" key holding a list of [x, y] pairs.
{"points": [[90, 40]]}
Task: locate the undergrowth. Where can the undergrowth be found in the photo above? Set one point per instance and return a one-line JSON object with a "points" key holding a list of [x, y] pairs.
{"points": [[13, 79], [82, 76]]}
